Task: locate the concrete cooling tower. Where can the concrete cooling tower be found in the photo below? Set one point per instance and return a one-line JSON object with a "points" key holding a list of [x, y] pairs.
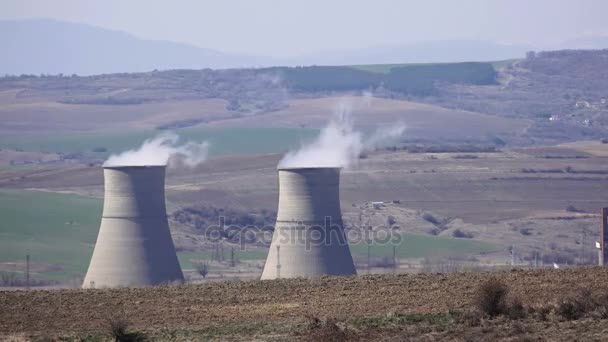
{"points": [[309, 239], [134, 245]]}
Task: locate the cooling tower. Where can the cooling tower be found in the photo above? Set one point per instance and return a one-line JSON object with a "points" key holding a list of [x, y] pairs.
{"points": [[134, 245], [309, 239]]}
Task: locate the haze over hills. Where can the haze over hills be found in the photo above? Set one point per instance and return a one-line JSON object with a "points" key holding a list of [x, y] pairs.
{"points": [[47, 46], [442, 51]]}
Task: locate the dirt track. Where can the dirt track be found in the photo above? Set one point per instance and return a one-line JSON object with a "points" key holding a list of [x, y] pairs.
{"points": [[272, 302]]}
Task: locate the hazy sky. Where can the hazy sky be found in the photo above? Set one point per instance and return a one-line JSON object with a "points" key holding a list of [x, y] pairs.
{"points": [[285, 27]]}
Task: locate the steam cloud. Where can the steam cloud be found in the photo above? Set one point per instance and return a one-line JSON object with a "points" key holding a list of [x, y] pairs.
{"points": [[339, 144], [160, 150]]}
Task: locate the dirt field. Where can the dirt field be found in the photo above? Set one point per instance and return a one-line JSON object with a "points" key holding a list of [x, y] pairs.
{"points": [[38, 116], [277, 310]]}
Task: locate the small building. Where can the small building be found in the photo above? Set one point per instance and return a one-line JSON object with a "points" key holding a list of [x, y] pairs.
{"points": [[582, 104]]}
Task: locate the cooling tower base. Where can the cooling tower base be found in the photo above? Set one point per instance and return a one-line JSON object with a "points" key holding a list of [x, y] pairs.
{"points": [[309, 239], [134, 245]]}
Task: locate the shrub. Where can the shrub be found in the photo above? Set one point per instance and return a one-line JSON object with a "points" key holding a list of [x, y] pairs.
{"points": [[573, 209], [325, 330], [525, 231], [430, 218], [515, 309], [584, 304], [462, 234], [568, 310], [491, 298], [118, 329]]}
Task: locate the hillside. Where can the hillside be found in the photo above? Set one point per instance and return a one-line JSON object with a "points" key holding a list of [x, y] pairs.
{"points": [[563, 91], [560, 92]]}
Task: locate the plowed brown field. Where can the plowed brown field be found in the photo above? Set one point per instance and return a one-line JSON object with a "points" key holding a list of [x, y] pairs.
{"points": [[272, 309]]}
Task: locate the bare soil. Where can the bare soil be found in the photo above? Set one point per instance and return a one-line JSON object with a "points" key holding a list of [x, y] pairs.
{"points": [[266, 310]]}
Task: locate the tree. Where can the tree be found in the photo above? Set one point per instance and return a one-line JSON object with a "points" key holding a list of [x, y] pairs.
{"points": [[530, 55]]}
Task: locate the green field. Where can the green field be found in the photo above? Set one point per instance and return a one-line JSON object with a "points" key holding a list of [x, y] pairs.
{"points": [[223, 141], [54, 229], [418, 246], [58, 231]]}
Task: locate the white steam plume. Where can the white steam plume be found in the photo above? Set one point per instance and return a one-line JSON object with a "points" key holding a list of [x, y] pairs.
{"points": [[339, 144], [160, 150]]}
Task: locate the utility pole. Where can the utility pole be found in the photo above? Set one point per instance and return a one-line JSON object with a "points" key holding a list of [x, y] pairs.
{"points": [[278, 262], [513, 255], [394, 259], [27, 271], [232, 262], [603, 235], [600, 257], [583, 261], [222, 251], [369, 267]]}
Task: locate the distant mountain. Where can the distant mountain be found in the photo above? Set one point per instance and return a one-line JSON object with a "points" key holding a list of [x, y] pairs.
{"points": [[422, 52], [45, 46]]}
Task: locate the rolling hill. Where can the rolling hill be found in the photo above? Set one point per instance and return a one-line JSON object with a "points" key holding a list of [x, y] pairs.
{"points": [[45, 46]]}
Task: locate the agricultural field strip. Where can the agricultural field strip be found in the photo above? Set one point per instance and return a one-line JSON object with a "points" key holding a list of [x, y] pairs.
{"points": [[278, 301]]}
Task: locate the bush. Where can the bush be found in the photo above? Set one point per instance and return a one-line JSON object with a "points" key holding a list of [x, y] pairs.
{"points": [[491, 298], [118, 329], [573, 209], [431, 219], [525, 231], [515, 309], [325, 330], [585, 304], [232, 222], [462, 234]]}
